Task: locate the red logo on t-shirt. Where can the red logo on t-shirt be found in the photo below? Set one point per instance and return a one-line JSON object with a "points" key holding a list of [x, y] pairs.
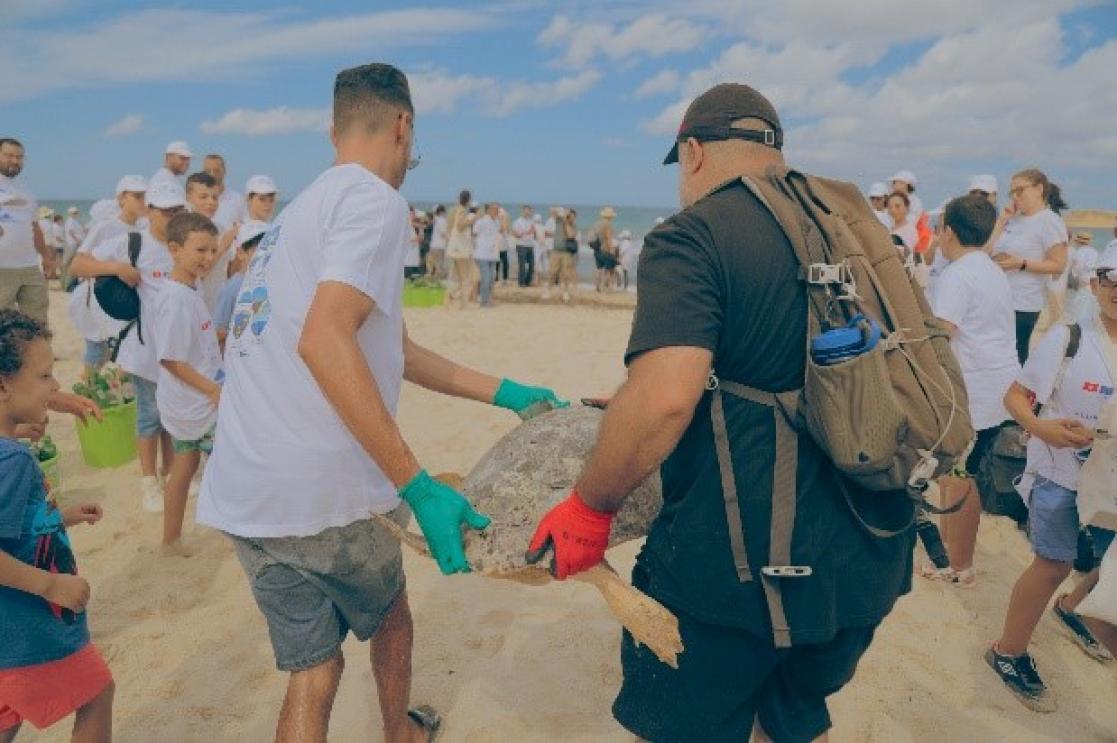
{"points": [[157, 274]]}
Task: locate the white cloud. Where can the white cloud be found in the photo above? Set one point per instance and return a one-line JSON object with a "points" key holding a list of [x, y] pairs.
{"points": [[654, 35], [662, 82], [281, 120], [130, 124], [432, 92], [204, 46]]}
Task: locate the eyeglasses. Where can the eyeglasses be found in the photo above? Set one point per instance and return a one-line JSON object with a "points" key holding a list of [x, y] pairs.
{"points": [[1019, 189], [1107, 277], [416, 156]]}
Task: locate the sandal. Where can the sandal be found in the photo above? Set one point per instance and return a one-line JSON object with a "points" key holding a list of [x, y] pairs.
{"points": [[961, 578], [426, 717]]}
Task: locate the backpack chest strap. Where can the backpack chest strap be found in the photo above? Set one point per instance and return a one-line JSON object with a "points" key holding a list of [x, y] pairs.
{"points": [[783, 406]]}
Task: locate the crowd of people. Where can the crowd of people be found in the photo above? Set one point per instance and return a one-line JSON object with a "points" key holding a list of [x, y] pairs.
{"points": [[472, 247], [238, 309], [1011, 286]]}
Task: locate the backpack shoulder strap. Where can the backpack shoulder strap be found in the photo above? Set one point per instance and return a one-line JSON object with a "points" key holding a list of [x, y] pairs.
{"points": [[1073, 341], [135, 242]]}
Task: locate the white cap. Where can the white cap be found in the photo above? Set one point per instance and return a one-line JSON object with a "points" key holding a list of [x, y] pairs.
{"points": [[165, 195], [986, 183], [178, 147], [104, 209], [250, 229], [73, 210], [660, 220], [906, 176], [131, 184], [262, 184], [878, 190], [1108, 258]]}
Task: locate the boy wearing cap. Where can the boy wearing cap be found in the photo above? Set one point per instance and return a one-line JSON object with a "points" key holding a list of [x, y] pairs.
{"points": [[248, 237], [176, 161], [1074, 393], [878, 197], [261, 192], [137, 348], [89, 319], [984, 186], [719, 281]]}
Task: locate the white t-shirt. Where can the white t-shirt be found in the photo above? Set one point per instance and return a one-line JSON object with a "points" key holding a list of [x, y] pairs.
{"points": [[231, 207], [440, 233], [973, 294], [413, 255], [184, 331], [88, 317], [285, 464], [1030, 238], [163, 174], [58, 235], [17, 213], [154, 264], [486, 230], [75, 233], [523, 231], [1087, 385], [907, 233]]}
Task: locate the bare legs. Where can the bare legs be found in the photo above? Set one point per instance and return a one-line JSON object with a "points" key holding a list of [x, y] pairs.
{"points": [[183, 467], [1033, 589], [959, 529], [93, 722], [148, 449]]}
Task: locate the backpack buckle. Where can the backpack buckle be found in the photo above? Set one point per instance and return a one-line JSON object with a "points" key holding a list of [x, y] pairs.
{"points": [[787, 571], [829, 273]]}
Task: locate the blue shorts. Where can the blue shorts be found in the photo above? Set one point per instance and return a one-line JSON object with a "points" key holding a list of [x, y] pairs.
{"points": [[148, 423], [1053, 524], [96, 353]]}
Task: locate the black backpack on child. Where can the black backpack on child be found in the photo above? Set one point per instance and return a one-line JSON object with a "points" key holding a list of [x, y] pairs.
{"points": [[117, 299], [1004, 463]]}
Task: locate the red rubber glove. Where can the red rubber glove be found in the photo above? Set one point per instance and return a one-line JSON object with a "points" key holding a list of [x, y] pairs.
{"points": [[577, 533]]}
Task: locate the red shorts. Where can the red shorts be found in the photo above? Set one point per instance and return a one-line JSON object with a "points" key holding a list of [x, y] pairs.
{"points": [[45, 693]]}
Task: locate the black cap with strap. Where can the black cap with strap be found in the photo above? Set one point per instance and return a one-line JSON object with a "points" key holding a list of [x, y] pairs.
{"points": [[710, 118]]}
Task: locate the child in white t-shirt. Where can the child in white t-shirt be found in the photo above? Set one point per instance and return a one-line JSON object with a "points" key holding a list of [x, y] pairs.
{"points": [[189, 360], [1074, 386], [972, 296]]}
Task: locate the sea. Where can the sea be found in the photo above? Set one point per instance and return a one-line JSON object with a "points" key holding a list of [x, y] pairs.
{"points": [[637, 219]]}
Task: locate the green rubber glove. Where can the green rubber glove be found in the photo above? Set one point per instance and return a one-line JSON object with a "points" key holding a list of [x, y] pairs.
{"points": [[441, 511], [526, 402]]}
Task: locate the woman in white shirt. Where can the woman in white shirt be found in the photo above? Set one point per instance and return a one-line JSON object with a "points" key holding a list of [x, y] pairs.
{"points": [[459, 249], [440, 233], [899, 205], [1030, 245]]}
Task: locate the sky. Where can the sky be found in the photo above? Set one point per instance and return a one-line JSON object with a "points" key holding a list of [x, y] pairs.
{"points": [[571, 102]]}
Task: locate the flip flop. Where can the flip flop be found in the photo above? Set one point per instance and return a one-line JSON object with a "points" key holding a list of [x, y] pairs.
{"points": [[426, 717]]}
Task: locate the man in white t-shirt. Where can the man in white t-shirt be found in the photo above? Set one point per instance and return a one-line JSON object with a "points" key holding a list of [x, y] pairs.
{"points": [[232, 210], [22, 244], [486, 251], [176, 161], [523, 233], [1075, 387], [307, 446], [973, 298], [137, 350]]}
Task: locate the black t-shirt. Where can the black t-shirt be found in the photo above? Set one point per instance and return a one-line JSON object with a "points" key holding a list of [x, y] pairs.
{"points": [[721, 275]]}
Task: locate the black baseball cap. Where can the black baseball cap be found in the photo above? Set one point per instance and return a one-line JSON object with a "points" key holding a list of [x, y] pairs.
{"points": [[710, 118]]}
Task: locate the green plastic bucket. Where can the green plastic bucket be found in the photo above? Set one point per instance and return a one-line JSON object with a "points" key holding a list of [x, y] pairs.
{"points": [[112, 441], [52, 472], [433, 296], [413, 296]]}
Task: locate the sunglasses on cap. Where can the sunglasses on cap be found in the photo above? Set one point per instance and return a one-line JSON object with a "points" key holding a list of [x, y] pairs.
{"points": [[1107, 277], [979, 192]]}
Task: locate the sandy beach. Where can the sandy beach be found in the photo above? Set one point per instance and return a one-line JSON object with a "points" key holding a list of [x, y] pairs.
{"points": [[505, 662]]}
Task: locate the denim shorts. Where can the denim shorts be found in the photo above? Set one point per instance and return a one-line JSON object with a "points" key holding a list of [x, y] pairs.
{"points": [[96, 353], [148, 423], [1053, 524], [314, 590]]}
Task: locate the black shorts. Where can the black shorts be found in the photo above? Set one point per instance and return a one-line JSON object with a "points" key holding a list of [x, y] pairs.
{"points": [[727, 678]]}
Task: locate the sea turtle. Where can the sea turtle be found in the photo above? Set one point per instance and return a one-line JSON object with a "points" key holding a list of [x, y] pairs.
{"points": [[520, 478]]}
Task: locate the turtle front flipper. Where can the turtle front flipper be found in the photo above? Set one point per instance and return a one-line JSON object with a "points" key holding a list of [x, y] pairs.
{"points": [[650, 622]]}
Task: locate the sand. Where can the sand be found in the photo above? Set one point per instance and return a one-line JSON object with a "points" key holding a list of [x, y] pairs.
{"points": [[506, 662]]}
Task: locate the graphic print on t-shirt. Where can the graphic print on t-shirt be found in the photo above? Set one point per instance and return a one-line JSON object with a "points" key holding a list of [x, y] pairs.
{"points": [[253, 310]]}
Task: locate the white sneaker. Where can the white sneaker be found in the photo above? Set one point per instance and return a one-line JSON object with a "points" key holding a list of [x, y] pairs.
{"points": [[152, 494]]}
